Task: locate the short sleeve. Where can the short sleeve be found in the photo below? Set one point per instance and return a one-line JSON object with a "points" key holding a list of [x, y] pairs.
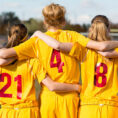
{"points": [[78, 51], [27, 49], [77, 37]]}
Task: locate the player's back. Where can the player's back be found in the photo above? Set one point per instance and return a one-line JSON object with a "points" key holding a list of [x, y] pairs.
{"points": [[17, 82], [99, 79], [60, 67]]}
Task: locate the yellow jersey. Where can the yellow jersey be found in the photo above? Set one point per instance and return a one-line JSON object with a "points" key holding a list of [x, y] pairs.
{"points": [[17, 81], [59, 66], [99, 77]]}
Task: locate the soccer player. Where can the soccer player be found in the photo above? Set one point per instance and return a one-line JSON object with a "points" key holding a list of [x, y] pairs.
{"points": [[99, 95], [17, 90], [60, 67], [99, 75]]}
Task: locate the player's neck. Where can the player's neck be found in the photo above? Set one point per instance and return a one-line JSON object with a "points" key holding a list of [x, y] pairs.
{"points": [[53, 29]]}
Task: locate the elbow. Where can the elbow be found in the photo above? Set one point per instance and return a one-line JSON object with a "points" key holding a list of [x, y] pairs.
{"points": [[58, 46]]}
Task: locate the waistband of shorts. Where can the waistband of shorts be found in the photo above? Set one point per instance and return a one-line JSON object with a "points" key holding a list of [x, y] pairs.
{"points": [[29, 104], [100, 102]]}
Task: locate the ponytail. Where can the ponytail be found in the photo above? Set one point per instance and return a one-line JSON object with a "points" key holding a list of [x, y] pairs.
{"points": [[17, 34], [99, 29]]}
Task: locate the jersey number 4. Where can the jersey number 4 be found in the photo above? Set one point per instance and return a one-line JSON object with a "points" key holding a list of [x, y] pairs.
{"points": [[58, 64], [100, 75], [8, 84]]}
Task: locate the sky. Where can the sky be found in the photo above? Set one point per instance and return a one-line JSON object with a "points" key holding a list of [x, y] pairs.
{"points": [[78, 11]]}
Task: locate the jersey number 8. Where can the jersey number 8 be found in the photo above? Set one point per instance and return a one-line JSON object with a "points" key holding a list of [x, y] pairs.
{"points": [[101, 75]]}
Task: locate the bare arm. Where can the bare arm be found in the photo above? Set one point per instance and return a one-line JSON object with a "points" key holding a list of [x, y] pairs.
{"points": [[61, 87], [102, 46], [6, 53], [4, 62], [64, 47], [47, 39], [109, 54]]}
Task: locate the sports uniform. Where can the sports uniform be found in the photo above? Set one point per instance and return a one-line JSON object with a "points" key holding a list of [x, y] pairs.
{"points": [[99, 95], [17, 90], [61, 68]]}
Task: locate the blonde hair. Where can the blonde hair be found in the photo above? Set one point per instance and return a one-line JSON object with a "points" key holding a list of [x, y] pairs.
{"points": [[54, 15], [99, 29], [17, 34]]}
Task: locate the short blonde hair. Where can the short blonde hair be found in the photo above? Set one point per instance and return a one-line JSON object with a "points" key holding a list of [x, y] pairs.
{"points": [[99, 29], [54, 15]]}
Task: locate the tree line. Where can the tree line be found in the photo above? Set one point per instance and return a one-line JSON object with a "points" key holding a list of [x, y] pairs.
{"points": [[9, 18]]}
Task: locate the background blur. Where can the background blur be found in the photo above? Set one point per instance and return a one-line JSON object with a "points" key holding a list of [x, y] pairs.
{"points": [[79, 14]]}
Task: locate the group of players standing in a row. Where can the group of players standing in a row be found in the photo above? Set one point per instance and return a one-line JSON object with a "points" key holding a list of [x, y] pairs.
{"points": [[55, 63]]}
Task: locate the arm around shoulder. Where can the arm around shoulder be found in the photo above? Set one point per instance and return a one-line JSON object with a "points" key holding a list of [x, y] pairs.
{"points": [[102, 46], [6, 53], [109, 54], [47, 39], [4, 62]]}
